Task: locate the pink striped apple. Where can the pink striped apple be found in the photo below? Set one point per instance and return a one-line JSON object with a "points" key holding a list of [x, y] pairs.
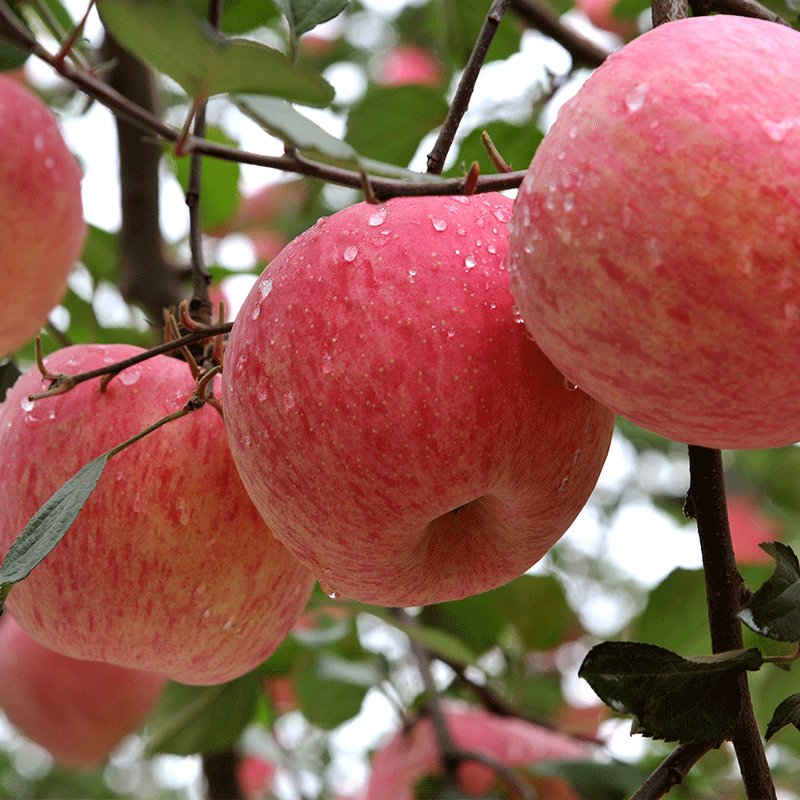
{"points": [[656, 237], [412, 755], [169, 566], [77, 710], [388, 415], [41, 216]]}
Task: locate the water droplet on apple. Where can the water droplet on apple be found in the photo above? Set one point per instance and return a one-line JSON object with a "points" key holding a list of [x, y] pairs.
{"points": [[229, 623], [563, 484], [635, 98], [350, 253], [565, 234], [327, 367], [461, 230], [491, 248], [206, 615], [264, 287], [246, 440], [51, 414], [412, 273], [439, 224], [256, 313], [261, 396], [569, 202], [569, 385], [288, 401], [517, 314], [199, 591], [777, 130], [26, 404], [469, 263], [377, 217], [130, 376], [183, 512]]}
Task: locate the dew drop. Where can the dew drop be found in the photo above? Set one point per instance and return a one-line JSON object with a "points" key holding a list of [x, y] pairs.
{"points": [[491, 248], [635, 98], [256, 313], [569, 202], [350, 253], [777, 130], [288, 401], [439, 224], [26, 404], [261, 396], [517, 314], [377, 217], [246, 440], [206, 615], [183, 512], [264, 288], [327, 367], [569, 385], [198, 592], [469, 263], [130, 376], [412, 273], [229, 623]]}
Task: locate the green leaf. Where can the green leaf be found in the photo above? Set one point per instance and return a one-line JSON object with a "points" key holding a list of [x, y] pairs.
{"points": [[680, 596], [49, 524], [787, 713], [593, 780], [515, 143], [179, 43], [240, 16], [219, 188], [294, 129], [439, 642], [463, 20], [389, 123], [629, 9], [670, 697], [101, 255], [473, 620], [774, 610], [304, 15], [331, 689], [202, 719], [8, 377]]}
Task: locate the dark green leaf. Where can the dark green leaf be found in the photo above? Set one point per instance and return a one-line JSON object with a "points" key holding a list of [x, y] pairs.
{"points": [[670, 697], [8, 377], [304, 15], [49, 524], [473, 620], [774, 610], [389, 123], [440, 643], [787, 713], [629, 9], [11, 56], [240, 16], [178, 42], [202, 719], [219, 189], [593, 780]]}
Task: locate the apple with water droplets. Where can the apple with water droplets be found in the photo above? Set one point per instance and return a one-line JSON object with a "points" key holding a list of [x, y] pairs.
{"points": [[390, 418], [41, 216], [79, 711], [655, 240], [168, 566]]}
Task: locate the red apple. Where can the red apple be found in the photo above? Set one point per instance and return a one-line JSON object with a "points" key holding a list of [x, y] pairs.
{"points": [[410, 756], [77, 710], [749, 527], [258, 211], [655, 239], [390, 418], [41, 216], [601, 14], [409, 65], [254, 776], [168, 566]]}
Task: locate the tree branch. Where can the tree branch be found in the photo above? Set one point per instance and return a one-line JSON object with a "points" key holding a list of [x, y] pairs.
{"points": [[672, 770], [466, 85], [705, 502]]}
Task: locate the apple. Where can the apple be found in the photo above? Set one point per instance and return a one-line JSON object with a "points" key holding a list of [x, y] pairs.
{"points": [[409, 65], [601, 14], [655, 239], [77, 710], [169, 566], [254, 776], [258, 211], [41, 216], [749, 527], [389, 417], [411, 755]]}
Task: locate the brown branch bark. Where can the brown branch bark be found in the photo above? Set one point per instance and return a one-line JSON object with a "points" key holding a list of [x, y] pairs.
{"points": [[672, 770], [148, 278], [219, 770], [705, 502]]}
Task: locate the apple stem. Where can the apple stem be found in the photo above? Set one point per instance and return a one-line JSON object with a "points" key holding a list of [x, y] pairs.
{"points": [[458, 106], [725, 590]]}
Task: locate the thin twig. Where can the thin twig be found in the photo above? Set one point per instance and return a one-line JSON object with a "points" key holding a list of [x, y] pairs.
{"points": [[741, 8], [705, 502], [669, 10], [539, 15], [672, 770], [458, 107]]}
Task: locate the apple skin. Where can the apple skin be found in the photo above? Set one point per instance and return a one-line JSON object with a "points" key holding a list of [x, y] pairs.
{"points": [[79, 711], [388, 415], [410, 756], [254, 776], [655, 239], [41, 216], [168, 566], [410, 65]]}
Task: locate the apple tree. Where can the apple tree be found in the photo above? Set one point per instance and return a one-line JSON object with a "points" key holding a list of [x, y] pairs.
{"points": [[354, 541]]}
